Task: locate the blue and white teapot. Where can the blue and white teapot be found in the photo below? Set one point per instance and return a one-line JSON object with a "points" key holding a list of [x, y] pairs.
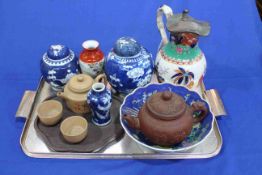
{"points": [[128, 65]]}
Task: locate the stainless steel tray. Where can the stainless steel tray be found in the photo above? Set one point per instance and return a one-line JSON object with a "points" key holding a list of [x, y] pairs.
{"points": [[34, 146]]}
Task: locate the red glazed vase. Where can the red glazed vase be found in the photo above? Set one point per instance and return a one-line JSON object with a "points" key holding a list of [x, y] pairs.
{"points": [[91, 58]]}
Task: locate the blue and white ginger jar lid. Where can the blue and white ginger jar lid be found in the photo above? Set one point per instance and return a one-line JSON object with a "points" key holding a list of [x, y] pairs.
{"points": [[58, 55], [126, 47]]}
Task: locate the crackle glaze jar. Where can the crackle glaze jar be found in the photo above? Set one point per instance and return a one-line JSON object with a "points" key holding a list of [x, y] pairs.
{"points": [[180, 60], [91, 58], [128, 65], [58, 65]]}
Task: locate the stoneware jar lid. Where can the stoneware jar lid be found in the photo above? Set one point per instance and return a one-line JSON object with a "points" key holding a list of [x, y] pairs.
{"points": [[185, 23], [80, 83], [57, 52], [126, 47], [166, 105]]}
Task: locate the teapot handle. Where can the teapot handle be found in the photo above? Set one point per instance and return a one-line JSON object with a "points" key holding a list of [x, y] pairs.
{"points": [[199, 106], [101, 78], [167, 11]]}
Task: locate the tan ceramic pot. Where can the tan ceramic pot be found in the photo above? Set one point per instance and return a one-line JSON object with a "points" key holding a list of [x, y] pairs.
{"points": [[75, 92]]}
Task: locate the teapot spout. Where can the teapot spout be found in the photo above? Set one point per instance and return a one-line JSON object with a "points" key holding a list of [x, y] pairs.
{"points": [[61, 94], [133, 122]]}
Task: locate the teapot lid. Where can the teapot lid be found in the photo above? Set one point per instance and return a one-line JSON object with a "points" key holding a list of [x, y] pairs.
{"points": [[166, 105], [80, 83], [185, 23]]}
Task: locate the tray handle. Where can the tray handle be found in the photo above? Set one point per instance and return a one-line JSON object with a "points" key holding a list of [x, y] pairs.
{"points": [[214, 100], [216, 103], [25, 104]]}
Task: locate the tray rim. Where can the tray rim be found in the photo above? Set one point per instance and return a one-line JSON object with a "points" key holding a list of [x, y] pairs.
{"points": [[72, 155]]}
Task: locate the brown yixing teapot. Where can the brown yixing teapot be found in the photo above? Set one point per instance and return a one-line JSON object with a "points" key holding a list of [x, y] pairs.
{"points": [[165, 119]]}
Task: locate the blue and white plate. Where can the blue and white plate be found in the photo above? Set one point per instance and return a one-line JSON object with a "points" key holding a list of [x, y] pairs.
{"points": [[134, 101]]}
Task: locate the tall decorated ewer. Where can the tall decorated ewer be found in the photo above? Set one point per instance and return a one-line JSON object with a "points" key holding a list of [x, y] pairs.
{"points": [[180, 60]]}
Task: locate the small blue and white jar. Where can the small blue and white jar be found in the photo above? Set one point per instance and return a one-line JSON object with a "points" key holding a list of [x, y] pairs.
{"points": [[128, 66], [100, 100], [58, 65]]}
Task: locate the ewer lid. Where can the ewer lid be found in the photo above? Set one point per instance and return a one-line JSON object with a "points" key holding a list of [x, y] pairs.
{"points": [[185, 23]]}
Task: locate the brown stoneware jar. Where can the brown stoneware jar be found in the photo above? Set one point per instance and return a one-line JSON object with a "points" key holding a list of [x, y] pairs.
{"points": [[165, 119]]}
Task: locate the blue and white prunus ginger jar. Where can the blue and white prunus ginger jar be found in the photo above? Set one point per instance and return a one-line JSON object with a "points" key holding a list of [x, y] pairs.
{"points": [[58, 65], [128, 65]]}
